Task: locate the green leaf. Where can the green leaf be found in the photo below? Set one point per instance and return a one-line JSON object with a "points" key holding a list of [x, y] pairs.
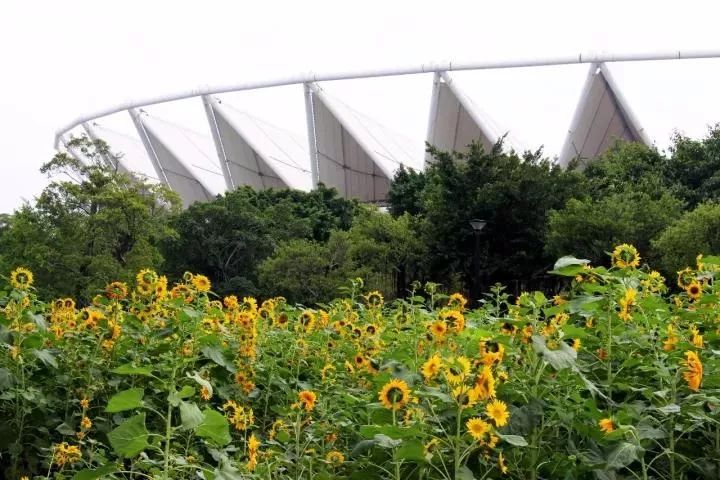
{"points": [[130, 437], [465, 474], [129, 369], [88, 474], [46, 357], [214, 427], [125, 400], [671, 408], [185, 392], [190, 415], [202, 382], [563, 357], [569, 266], [227, 472], [369, 431], [216, 355], [386, 442], [623, 455], [411, 450], [515, 440]]}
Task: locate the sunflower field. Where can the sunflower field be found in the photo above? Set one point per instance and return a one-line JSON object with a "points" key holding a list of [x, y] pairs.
{"points": [[615, 378]]}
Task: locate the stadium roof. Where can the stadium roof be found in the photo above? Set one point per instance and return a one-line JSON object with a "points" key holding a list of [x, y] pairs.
{"points": [[347, 148]]}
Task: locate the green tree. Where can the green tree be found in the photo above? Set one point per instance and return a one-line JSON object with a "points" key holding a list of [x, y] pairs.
{"points": [[91, 225], [513, 193], [695, 232], [589, 228], [229, 237], [695, 167], [306, 271]]}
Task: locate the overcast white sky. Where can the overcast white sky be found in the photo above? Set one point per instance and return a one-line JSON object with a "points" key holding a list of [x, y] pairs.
{"points": [[61, 59]]}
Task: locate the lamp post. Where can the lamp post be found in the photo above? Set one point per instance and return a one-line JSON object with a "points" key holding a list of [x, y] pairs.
{"points": [[477, 226]]}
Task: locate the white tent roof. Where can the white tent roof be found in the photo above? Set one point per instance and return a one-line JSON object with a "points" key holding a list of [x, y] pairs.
{"points": [[183, 157], [355, 154], [456, 121], [132, 155], [602, 117], [256, 153]]}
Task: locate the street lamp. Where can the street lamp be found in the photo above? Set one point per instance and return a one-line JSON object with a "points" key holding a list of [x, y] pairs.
{"points": [[477, 226]]}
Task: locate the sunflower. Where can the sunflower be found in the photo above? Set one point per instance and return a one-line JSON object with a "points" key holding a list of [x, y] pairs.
{"points": [[694, 290], [86, 423], [454, 319], [465, 396], [307, 321], [457, 300], [374, 299], [66, 454], [498, 412], [694, 370], [21, 278], [335, 458], [478, 428], [431, 367], [607, 425], [457, 369], [438, 329], [231, 302], [359, 360], [395, 394], [685, 278], [501, 464], [205, 393], [281, 320], [146, 277], [201, 283], [625, 256], [308, 399], [485, 384]]}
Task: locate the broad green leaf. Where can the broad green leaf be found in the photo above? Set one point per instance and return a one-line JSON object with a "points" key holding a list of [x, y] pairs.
{"points": [[622, 456], [569, 266], [671, 408], [385, 441], [88, 474], [563, 357], [202, 382], [185, 392], [369, 431], [129, 369], [411, 450], [515, 440], [125, 400], [465, 474], [46, 357], [227, 472], [130, 437], [190, 415], [216, 355], [214, 427]]}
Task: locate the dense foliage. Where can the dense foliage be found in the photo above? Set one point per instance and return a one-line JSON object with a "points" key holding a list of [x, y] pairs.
{"points": [[613, 379], [91, 225], [513, 194]]}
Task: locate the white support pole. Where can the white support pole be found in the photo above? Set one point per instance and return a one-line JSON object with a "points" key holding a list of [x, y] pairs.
{"points": [[388, 72], [432, 119], [569, 149], [208, 103], [135, 116], [312, 136]]}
